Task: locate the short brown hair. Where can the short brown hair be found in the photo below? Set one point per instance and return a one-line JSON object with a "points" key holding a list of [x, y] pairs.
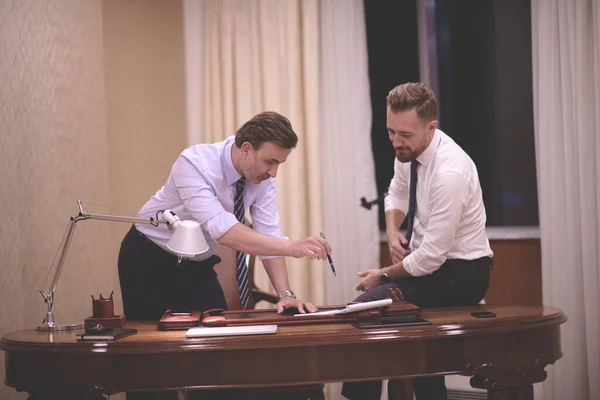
{"points": [[268, 126], [414, 95]]}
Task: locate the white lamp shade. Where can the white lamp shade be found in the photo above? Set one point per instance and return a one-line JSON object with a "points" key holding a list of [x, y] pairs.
{"points": [[188, 239]]}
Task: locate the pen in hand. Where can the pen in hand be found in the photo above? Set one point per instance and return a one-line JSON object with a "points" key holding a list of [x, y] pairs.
{"points": [[329, 259]]}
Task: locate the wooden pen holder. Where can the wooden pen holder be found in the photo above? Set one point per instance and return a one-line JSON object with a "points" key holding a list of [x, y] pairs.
{"points": [[103, 308], [103, 311]]}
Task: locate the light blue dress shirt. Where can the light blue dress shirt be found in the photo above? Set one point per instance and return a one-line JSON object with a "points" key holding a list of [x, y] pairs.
{"points": [[201, 187]]}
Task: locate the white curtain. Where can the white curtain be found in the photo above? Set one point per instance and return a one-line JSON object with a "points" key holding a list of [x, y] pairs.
{"points": [[565, 44], [194, 70], [346, 156], [264, 55]]}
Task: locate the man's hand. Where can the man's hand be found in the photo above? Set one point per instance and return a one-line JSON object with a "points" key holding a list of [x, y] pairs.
{"points": [[314, 247], [289, 302], [370, 279], [396, 240]]}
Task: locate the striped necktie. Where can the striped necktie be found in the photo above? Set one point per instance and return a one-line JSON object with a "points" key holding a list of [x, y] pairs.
{"points": [[241, 266], [412, 199]]}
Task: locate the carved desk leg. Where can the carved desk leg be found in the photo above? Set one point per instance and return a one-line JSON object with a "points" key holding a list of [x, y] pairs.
{"points": [[400, 389], [508, 366]]}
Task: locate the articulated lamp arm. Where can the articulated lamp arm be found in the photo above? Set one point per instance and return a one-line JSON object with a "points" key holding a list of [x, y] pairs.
{"points": [[193, 237]]}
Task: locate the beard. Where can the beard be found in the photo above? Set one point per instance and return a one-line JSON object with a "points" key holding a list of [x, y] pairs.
{"points": [[258, 179], [405, 155]]}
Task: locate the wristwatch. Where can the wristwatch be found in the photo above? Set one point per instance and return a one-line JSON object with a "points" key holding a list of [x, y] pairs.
{"points": [[383, 276], [286, 293]]}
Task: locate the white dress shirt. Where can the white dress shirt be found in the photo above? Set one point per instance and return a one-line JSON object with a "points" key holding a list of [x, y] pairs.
{"points": [[449, 214], [201, 187]]}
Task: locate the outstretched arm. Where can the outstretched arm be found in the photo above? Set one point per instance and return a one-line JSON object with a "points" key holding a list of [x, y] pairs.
{"points": [[204, 206], [249, 241]]}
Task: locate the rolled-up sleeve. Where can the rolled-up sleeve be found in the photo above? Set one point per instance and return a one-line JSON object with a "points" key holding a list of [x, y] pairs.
{"points": [[200, 199], [397, 197], [448, 196], [265, 218]]}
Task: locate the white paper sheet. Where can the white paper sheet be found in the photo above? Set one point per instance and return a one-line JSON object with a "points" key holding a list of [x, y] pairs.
{"points": [[231, 330], [351, 308]]}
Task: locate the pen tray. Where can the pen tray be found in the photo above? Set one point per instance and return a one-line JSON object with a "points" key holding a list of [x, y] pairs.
{"points": [[116, 321], [261, 317]]}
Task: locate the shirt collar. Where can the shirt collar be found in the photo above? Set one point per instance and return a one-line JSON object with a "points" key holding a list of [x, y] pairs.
{"points": [[427, 156], [231, 174]]}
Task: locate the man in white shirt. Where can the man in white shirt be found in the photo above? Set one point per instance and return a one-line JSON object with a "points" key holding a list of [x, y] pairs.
{"points": [[447, 260], [202, 186]]}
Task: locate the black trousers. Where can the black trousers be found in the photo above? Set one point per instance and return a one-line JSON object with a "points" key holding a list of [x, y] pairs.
{"points": [[455, 283], [152, 281]]}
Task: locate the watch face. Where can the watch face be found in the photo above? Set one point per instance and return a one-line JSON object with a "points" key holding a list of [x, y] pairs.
{"points": [[287, 293], [384, 277]]}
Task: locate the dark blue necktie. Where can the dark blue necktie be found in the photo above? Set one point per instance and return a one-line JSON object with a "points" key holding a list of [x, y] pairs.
{"points": [[412, 199], [241, 266]]}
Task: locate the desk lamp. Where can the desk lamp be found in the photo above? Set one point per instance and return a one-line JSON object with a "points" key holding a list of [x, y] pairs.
{"points": [[187, 240]]}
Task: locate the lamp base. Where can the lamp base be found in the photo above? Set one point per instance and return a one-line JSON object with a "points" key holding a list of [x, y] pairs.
{"points": [[54, 328]]}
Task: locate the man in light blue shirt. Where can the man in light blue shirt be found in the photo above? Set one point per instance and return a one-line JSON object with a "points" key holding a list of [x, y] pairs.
{"points": [[202, 187]]}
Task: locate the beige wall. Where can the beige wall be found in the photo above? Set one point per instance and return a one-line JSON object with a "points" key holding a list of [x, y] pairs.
{"points": [[145, 93], [145, 99], [90, 93]]}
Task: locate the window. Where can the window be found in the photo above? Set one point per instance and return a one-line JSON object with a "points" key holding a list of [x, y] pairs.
{"points": [[484, 89]]}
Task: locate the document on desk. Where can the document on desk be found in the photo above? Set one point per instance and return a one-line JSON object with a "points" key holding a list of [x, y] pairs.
{"points": [[350, 308], [231, 330]]}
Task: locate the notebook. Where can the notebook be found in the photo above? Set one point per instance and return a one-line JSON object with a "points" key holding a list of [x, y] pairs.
{"points": [[111, 334], [231, 330]]}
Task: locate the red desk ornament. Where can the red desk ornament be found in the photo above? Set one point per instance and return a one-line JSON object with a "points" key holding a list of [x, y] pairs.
{"points": [[104, 314]]}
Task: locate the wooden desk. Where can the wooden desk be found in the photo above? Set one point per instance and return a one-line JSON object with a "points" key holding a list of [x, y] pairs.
{"points": [[505, 355]]}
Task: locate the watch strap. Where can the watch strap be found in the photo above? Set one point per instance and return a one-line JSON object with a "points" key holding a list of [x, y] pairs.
{"points": [[383, 276], [286, 293]]}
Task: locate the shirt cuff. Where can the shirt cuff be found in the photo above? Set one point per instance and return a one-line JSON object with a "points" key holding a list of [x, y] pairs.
{"points": [[262, 258], [217, 226], [410, 268], [394, 203]]}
